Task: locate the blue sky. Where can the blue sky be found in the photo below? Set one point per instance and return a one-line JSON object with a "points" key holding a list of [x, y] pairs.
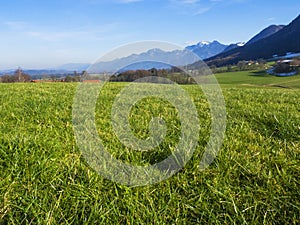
{"points": [[44, 34]]}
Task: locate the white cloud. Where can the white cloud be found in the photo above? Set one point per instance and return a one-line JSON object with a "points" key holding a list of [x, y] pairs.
{"points": [[55, 34], [189, 1], [94, 33], [197, 7], [93, 2], [16, 25], [190, 7], [129, 1]]}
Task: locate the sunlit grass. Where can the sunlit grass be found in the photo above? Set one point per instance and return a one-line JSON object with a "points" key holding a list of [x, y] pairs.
{"points": [[253, 180]]}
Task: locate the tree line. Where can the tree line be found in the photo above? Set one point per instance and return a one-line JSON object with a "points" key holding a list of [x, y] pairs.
{"points": [[153, 75], [241, 66], [18, 76]]}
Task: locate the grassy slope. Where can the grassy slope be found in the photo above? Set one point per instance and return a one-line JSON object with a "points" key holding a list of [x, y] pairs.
{"points": [[254, 179]]}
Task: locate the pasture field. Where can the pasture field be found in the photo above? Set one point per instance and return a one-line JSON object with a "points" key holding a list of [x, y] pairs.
{"points": [[254, 179], [257, 79]]}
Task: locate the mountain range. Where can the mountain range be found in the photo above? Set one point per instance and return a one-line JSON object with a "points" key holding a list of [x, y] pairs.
{"points": [[153, 58], [157, 58], [282, 40]]}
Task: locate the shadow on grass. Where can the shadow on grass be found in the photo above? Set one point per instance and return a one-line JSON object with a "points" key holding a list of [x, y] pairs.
{"points": [[261, 73]]}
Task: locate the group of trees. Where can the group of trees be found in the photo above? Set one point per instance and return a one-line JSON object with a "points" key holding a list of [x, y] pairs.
{"points": [[154, 75], [66, 77], [282, 68], [71, 79], [18, 76], [287, 66], [76, 77], [241, 66]]}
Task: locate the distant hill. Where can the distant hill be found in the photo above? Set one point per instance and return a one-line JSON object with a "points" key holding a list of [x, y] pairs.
{"points": [[38, 72], [265, 33], [285, 40]]}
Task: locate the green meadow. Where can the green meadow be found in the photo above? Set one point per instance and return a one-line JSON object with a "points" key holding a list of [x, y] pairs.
{"points": [[257, 79], [254, 179]]}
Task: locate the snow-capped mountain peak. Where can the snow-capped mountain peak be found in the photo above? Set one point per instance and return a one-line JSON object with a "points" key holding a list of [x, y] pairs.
{"points": [[206, 49], [204, 43], [240, 44]]}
